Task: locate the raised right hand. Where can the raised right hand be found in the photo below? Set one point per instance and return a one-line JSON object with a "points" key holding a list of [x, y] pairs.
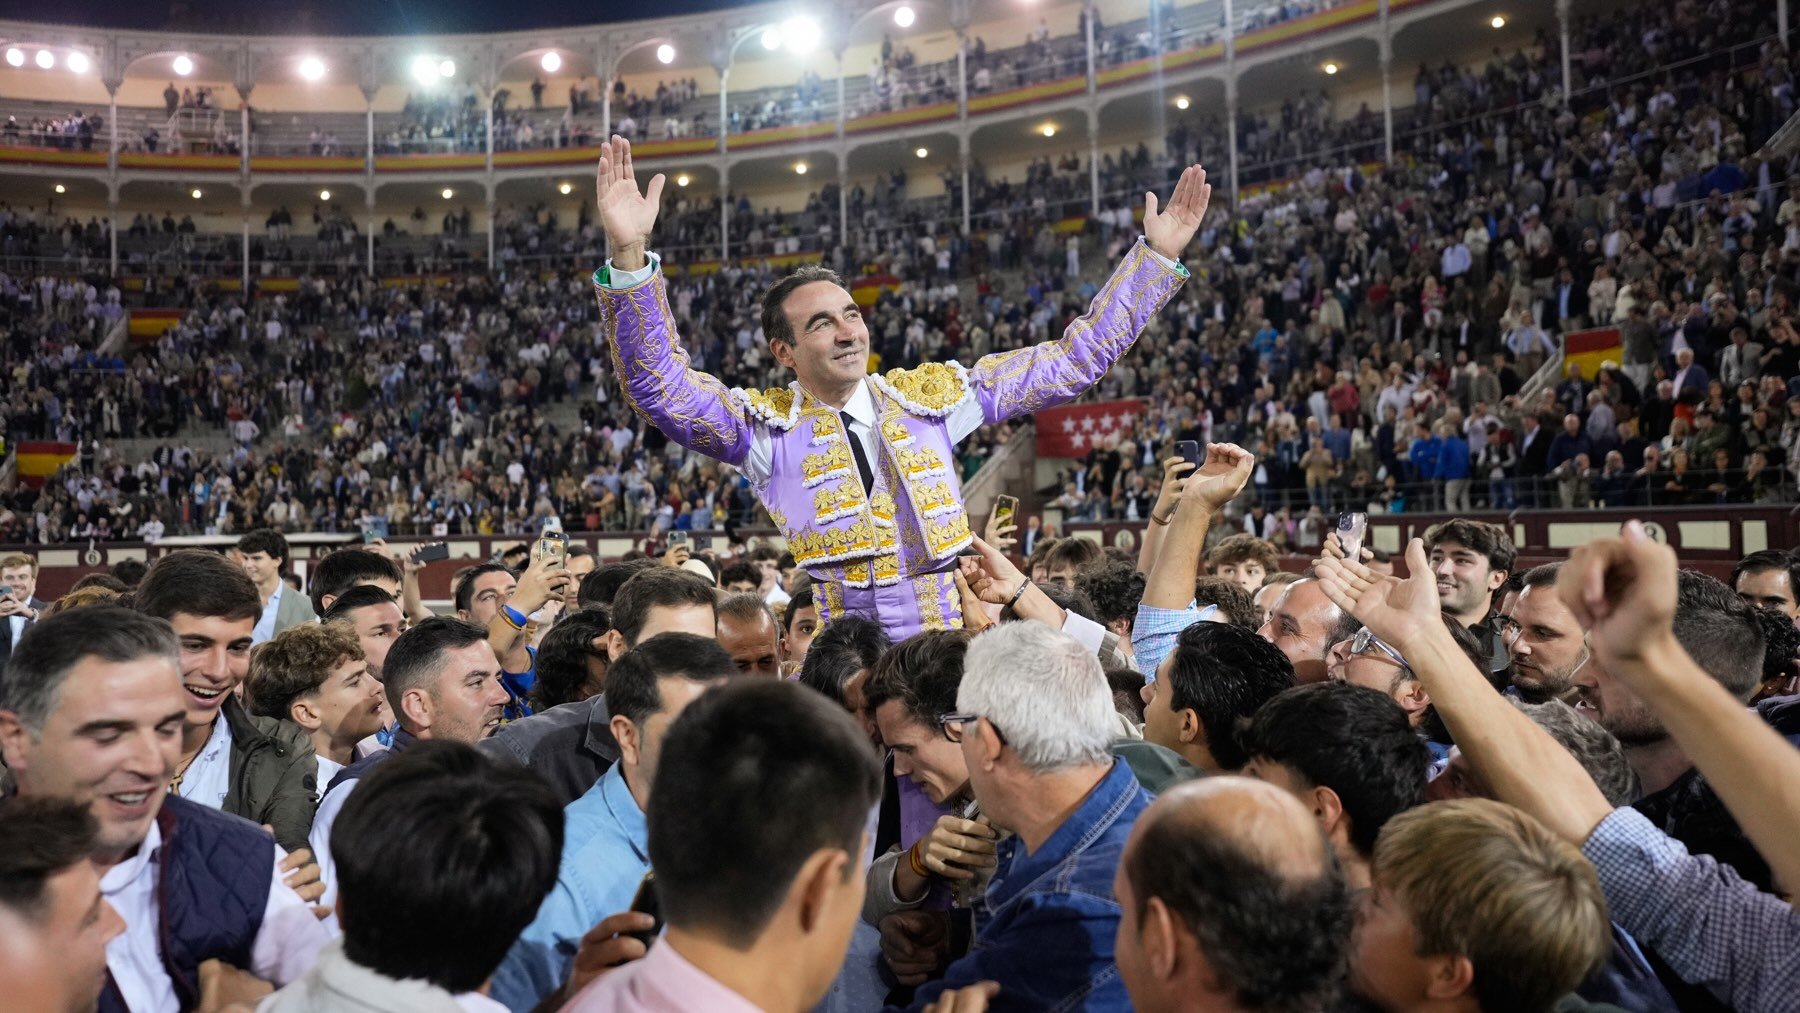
{"points": [[627, 214], [543, 579]]}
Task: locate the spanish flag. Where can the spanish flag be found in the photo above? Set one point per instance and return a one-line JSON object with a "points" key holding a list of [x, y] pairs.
{"points": [[147, 325], [40, 459], [1590, 348]]}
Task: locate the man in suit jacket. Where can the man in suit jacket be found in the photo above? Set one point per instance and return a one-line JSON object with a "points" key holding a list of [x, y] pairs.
{"points": [[1534, 454], [265, 556], [1690, 377], [20, 606]]}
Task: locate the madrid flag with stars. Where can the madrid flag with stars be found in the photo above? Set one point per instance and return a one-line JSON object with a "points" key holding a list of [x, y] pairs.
{"points": [[1073, 430]]}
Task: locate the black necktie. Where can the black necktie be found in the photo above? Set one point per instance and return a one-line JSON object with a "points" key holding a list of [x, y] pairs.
{"points": [[862, 458]]}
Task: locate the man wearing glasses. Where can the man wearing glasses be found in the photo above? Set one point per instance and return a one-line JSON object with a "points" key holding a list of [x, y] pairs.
{"points": [[1543, 639]]}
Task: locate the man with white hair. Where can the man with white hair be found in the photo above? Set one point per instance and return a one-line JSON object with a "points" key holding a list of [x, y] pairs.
{"points": [[1035, 722]]}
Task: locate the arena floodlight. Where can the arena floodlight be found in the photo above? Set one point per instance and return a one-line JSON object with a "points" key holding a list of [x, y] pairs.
{"points": [[552, 62], [15, 57], [665, 53], [184, 65], [449, 193], [46, 59], [801, 35], [904, 17], [447, 68], [424, 70], [78, 62], [312, 68], [324, 194], [682, 180]]}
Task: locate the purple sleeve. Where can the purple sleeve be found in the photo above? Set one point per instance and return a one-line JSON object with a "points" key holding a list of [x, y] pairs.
{"points": [[1022, 381], [689, 407]]}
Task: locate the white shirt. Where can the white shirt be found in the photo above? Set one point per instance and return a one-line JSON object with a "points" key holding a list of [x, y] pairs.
{"points": [[287, 942], [16, 627], [265, 625], [320, 838], [860, 417], [208, 777]]}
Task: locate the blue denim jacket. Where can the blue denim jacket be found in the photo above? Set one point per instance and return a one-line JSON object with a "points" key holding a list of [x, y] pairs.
{"points": [[1045, 928], [605, 855]]}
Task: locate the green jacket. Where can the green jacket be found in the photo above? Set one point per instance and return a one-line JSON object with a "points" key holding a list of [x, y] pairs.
{"points": [[274, 774]]}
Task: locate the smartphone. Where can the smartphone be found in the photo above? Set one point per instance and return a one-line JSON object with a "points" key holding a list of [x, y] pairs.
{"points": [[374, 529], [1351, 529], [1190, 451], [700, 545], [646, 902], [5, 589], [552, 523], [675, 538], [431, 553], [553, 545], [1006, 510]]}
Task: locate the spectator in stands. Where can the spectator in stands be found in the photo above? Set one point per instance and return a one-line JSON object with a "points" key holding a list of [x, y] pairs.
{"points": [[1230, 898], [54, 923], [755, 838], [437, 841], [1348, 753], [177, 872], [605, 851], [20, 605], [265, 554], [260, 768]]}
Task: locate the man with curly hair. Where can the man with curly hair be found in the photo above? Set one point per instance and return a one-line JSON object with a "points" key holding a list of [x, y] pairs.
{"points": [[1245, 559]]}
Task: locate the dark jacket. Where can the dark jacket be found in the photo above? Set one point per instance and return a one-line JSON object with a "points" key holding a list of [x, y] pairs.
{"points": [[274, 774], [570, 746]]}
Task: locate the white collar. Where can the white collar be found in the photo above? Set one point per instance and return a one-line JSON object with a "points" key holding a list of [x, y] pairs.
{"points": [[125, 873], [861, 405]]}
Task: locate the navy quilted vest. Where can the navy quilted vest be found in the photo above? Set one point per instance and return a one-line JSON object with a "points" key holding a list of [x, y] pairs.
{"points": [[212, 889], [357, 770]]}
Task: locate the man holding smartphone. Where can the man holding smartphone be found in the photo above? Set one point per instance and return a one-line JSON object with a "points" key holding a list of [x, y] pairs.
{"points": [[858, 471]]}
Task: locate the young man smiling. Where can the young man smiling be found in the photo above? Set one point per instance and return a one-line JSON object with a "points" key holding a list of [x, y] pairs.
{"points": [[265, 554], [259, 768]]}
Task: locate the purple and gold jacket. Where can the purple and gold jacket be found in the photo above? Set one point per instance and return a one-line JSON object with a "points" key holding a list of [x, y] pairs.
{"points": [[886, 552]]}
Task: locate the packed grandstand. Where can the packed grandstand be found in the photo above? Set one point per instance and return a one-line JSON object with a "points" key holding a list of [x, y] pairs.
{"points": [[1557, 269]]}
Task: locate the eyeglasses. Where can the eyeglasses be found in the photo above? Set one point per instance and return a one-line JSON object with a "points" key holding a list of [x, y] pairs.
{"points": [[1364, 640], [1508, 628], [952, 726]]}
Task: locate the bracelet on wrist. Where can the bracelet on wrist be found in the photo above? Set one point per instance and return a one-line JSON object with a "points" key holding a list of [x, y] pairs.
{"points": [[1159, 521], [1014, 600], [514, 617], [912, 860]]}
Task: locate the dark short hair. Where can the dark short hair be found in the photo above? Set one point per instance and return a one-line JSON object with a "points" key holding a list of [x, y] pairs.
{"points": [[631, 689], [563, 655], [1244, 548], [464, 592], [1237, 605], [435, 840], [657, 587], [1540, 575], [130, 571], [601, 586], [359, 597], [197, 583], [795, 605], [754, 777], [339, 571], [741, 571], [775, 323], [267, 541], [1071, 552], [1224, 673], [1276, 942], [745, 607], [1490, 540], [1765, 560], [921, 674], [846, 646], [40, 837], [1720, 631], [1351, 739], [417, 654], [1116, 589], [101, 580], [1068, 599], [53, 646], [579, 551]]}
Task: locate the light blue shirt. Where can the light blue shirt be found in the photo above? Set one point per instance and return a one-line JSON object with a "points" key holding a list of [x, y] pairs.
{"points": [[1155, 630], [606, 852], [265, 624]]}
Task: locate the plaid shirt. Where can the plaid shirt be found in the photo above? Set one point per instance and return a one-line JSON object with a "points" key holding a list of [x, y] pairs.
{"points": [[1154, 631], [1713, 929]]}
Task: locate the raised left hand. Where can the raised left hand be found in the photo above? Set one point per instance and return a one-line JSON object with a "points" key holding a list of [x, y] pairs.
{"points": [[1169, 231]]}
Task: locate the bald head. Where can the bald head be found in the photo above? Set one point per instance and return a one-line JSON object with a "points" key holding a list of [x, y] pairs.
{"points": [[1231, 893]]}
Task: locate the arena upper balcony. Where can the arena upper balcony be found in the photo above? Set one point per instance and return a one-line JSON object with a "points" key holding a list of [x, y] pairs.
{"points": [[748, 98]]}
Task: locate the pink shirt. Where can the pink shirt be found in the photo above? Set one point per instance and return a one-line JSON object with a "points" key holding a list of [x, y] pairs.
{"points": [[662, 982]]}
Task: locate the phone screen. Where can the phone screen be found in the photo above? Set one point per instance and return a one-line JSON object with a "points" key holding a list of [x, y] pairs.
{"points": [[677, 538], [1006, 509], [432, 553]]}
